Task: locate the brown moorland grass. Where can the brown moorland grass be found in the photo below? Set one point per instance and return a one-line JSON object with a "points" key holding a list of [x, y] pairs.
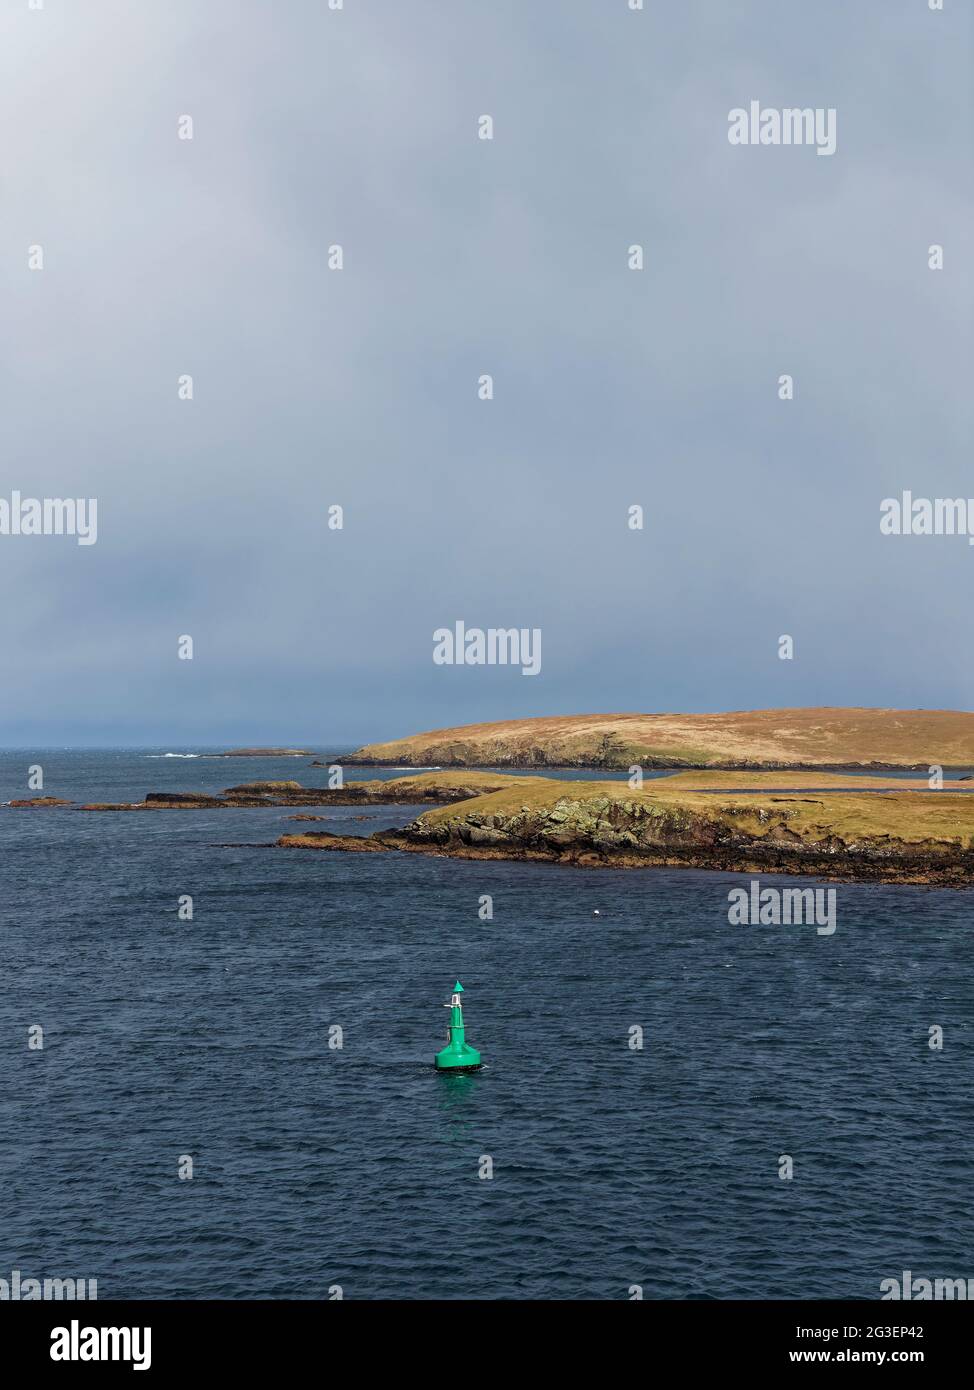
{"points": [[783, 738]]}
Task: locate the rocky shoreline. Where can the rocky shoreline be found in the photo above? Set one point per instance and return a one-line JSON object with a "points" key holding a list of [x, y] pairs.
{"points": [[892, 836], [877, 867]]}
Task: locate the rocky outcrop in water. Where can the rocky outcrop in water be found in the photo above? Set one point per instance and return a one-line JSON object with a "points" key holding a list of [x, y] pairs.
{"points": [[322, 839], [433, 788], [40, 801], [265, 753]]}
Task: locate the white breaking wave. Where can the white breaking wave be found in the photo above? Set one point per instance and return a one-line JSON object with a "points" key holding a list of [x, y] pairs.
{"points": [[173, 755]]}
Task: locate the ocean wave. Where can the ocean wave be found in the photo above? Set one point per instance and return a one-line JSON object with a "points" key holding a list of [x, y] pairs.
{"points": [[173, 755]]}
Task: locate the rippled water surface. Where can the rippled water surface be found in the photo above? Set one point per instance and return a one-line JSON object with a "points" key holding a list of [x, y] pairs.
{"points": [[359, 1167]]}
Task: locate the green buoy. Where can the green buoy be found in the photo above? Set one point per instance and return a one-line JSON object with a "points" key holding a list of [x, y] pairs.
{"points": [[458, 1055]]}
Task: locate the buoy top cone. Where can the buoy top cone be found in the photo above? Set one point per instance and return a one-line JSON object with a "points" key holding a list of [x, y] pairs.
{"points": [[458, 1055]]}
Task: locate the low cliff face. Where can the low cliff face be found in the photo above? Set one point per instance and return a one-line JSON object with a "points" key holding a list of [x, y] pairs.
{"points": [[599, 823], [912, 836]]}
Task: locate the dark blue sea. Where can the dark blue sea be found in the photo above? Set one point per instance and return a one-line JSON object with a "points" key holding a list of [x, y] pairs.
{"points": [[317, 1168]]}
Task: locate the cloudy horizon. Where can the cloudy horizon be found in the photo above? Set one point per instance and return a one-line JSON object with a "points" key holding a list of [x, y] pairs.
{"points": [[313, 387]]}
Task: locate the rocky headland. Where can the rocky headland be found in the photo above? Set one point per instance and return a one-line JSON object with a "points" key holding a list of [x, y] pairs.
{"points": [[863, 829]]}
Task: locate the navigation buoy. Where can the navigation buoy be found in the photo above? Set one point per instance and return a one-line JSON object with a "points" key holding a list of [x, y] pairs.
{"points": [[458, 1055]]}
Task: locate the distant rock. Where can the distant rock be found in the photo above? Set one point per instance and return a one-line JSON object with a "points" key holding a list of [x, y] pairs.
{"points": [[266, 753], [414, 790], [181, 799], [249, 788], [40, 801], [323, 839]]}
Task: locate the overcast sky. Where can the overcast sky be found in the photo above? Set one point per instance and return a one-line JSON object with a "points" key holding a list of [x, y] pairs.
{"points": [[463, 256]]}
